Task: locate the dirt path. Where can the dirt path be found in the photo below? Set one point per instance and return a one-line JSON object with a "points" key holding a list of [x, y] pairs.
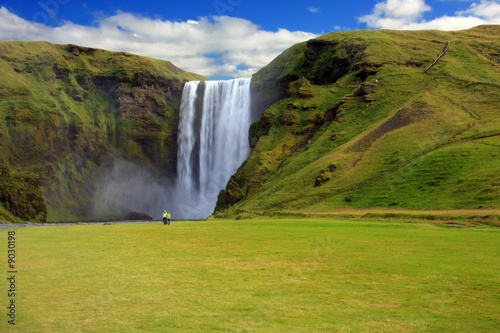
{"points": [[362, 211], [454, 217]]}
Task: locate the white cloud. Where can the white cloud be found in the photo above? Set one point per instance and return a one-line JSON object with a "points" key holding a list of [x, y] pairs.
{"points": [[485, 9], [313, 9], [407, 15], [393, 13], [239, 42]]}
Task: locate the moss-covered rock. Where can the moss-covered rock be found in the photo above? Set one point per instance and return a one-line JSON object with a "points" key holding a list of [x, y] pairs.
{"points": [[322, 178], [301, 88], [290, 117], [21, 195], [234, 192], [221, 204]]}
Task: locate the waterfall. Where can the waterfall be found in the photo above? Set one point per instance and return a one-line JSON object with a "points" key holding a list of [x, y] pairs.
{"points": [[212, 142]]}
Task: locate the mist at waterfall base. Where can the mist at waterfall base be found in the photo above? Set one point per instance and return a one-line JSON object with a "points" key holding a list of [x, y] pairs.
{"points": [[125, 186], [214, 122]]}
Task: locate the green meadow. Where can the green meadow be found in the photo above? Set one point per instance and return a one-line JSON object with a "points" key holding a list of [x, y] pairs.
{"points": [[258, 275]]}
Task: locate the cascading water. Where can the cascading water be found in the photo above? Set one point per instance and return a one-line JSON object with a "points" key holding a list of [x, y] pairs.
{"points": [[212, 143]]}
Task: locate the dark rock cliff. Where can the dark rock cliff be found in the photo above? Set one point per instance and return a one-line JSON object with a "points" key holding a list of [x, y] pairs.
{"points": [[320, 61]]}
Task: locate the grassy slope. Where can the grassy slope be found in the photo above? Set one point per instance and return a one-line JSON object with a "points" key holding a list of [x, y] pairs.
{"points": [[287, 275], [57, 121], [415, 140]]}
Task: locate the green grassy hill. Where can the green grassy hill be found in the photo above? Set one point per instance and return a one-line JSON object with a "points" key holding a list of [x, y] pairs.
{"points": [[353, 120], [66, 110]]}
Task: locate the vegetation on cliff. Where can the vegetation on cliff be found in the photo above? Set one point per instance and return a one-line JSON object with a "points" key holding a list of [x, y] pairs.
{"points": [[65, 111], [21, 197], [353, 120]]}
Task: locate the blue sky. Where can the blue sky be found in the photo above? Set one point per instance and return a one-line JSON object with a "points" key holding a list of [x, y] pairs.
{"points": [[224, 38]]}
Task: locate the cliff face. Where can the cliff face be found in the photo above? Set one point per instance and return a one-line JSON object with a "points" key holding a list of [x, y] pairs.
{"points": [[65, 111], [352, 119], [321, 61]]}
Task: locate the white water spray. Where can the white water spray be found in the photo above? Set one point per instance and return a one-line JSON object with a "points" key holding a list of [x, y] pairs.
{"points": [[212, 143]]}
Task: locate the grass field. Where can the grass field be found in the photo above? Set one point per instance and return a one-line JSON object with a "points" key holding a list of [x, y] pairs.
{"points": [[262, 275]]}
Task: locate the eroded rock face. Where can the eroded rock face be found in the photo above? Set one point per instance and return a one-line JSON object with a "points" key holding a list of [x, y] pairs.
{"points": [[328, 61], [150, 107], [321, 62]]}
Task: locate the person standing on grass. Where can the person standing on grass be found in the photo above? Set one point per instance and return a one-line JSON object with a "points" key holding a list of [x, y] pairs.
{"points": [[168, 218], [164, 217]]}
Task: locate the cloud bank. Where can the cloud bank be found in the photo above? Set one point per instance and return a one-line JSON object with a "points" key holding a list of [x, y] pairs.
{"points": [[224, 46], [408, 15], [216, 45]]}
